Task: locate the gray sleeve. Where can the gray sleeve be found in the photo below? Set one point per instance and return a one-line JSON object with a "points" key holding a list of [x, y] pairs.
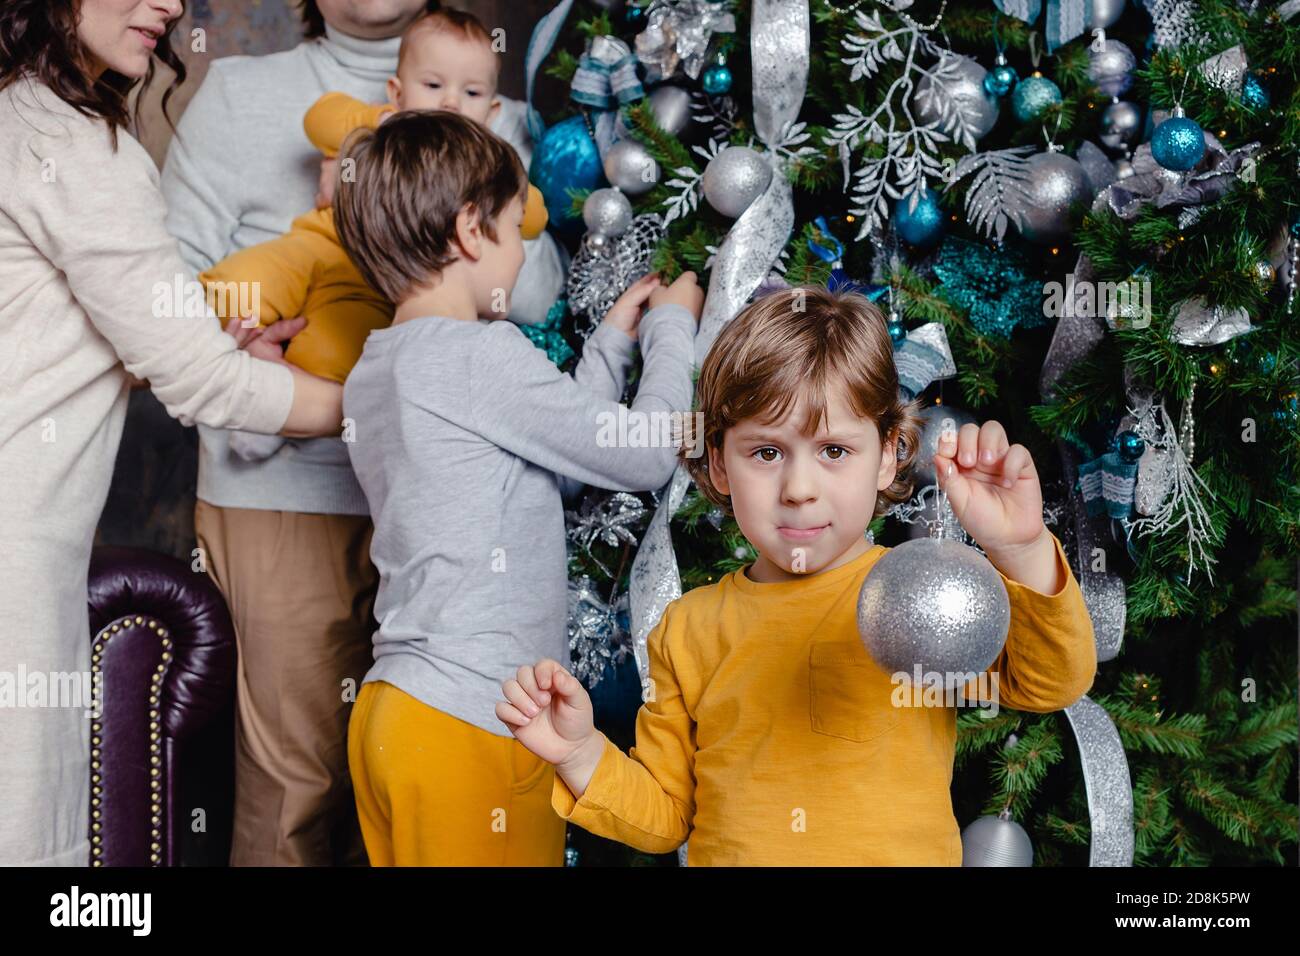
{"points": [[521, 402], [201, 175], [602, 370]]}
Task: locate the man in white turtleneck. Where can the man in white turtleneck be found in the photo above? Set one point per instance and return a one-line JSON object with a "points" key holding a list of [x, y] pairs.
{"points": [[287, 538]]}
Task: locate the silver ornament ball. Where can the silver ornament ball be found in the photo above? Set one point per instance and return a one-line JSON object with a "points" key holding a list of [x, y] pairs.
{"points": [[734, 179], [937, 605], [1105, 12], [607, 212], [1055, 182], [630, 167], [978, 107], [671, 106], [996, 841], [933, 421], [1121, 122], [1111, 68]]}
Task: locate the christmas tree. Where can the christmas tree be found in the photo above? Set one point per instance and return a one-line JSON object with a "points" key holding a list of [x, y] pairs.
{"points": [[1082, 222]]}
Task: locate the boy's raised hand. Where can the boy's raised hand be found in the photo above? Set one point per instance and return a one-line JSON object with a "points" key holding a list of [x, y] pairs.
{"points": [[992, 486], [685, 291], [548, 711], [625, 313]]}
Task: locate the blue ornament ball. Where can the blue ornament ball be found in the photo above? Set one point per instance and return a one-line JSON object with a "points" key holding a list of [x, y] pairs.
{"points": [[922, 226], [1000, 80], [1178, 143], [1130, 446], [897, 331], [1033, 96], [1253, 94], [717, 80], [1288, 412], [565, 159], [634, 16]]}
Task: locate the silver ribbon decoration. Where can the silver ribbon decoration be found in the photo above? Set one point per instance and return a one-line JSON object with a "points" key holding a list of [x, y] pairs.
{"points": [[1105, 765], [1106, 780], [1066, 19], [677, 34], [1196, 322], [780, 70]]}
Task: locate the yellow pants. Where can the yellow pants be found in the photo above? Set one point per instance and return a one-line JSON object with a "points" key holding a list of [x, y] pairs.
{"points": [[433, 790]]}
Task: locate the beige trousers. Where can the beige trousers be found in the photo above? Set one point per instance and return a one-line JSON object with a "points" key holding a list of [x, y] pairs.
{"points": [[301, 590]]}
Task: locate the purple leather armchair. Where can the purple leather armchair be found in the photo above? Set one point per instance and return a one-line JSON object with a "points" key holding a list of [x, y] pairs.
{"points": [[162, 764]]}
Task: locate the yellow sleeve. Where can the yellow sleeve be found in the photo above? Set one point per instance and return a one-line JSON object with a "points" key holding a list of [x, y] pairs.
{"points": [[645, 799], [1050, 657], [269, 280], [334, 115]]}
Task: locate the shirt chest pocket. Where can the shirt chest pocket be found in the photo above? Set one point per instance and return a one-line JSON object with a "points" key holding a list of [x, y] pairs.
{"points": [[849, 697]]}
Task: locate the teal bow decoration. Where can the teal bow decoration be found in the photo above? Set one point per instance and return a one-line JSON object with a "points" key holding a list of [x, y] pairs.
{"points": [[1066, 19], [605, 80], [1108, 484]]}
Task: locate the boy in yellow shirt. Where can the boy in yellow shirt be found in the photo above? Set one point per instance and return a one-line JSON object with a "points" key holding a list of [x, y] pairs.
{"points": [[769, 736]]}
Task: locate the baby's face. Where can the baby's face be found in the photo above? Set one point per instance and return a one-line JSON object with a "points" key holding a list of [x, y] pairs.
{"points": [[804, 502], [442, 71]]}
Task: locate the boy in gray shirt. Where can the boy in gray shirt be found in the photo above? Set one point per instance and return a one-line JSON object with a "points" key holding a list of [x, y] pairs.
{"points": [[462, 434]]}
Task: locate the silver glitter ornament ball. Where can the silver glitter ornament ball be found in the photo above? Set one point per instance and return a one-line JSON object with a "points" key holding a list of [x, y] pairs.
{"points": [[1111, 68], [630, 167], [734, 179], [1121, 122], [1055, 182], [934, 604], [932, 425], [607, 212], [1105, 12], [671, 106], [996, 841], [978, 107]]}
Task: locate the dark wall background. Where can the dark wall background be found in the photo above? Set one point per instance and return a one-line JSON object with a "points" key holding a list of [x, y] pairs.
{"points": [[151, 501]]}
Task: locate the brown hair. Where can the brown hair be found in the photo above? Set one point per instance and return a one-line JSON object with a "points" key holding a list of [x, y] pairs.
{"points": [[803, 341], [396, 215], [39, 38], [313, 23], [455, 22]]}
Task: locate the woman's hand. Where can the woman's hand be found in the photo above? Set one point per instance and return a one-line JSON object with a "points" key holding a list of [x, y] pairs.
{"points": [[625, 313], [265, 343]]}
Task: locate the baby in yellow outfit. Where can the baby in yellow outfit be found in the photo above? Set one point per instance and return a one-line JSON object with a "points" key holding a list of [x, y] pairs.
{"points": [[446, 62], [769, 736]]}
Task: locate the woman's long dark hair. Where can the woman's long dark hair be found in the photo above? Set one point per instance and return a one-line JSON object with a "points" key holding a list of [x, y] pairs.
{"points": [[39, 38]]}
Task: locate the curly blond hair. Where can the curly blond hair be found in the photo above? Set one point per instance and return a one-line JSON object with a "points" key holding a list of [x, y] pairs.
{"points": [[801, 342]]}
